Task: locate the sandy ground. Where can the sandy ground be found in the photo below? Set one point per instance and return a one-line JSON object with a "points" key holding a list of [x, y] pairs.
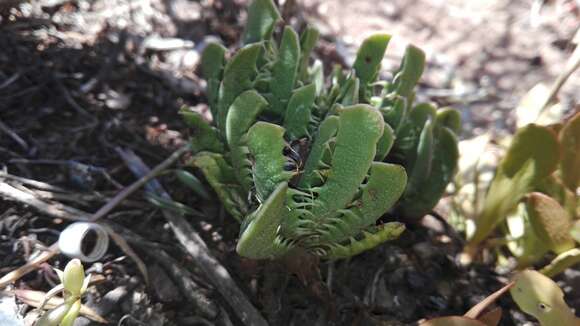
{"points": [[483, 55]]}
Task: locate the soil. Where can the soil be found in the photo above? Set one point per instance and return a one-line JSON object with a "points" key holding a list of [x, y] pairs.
{"points": [[81, 79], [483, 55]]}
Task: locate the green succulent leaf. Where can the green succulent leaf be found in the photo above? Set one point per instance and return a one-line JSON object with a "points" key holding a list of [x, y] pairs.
{"points": [[260, 238], [385, 185], [72, 314], [73, 278], [316, 75], [299, 112], [449, 118], [421, 167], [221, 177], [410, 132], [193, 183], [395, 113], [285, 70], [242, 114], [54, 316], [238, 77], [212, 66], [266, 144], [262, 17], [385, 143], [308, 41], [368, 60], [359, 129], [410, 72], [171, 205], [385, 232], [204, 137], [327, 130], [349, 94], [442, 170]]}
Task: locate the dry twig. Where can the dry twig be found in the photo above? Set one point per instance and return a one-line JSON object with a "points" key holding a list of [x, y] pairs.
{"points": [[57, 210], [4, 128], [189, 288], [196, 247], [571, 66], [138, 184], [36, 298], [29, 266]]}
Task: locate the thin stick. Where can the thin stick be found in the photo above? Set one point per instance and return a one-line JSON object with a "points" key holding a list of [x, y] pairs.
{"points": [[69, 213], [38, 299], [476, 310], [139, 183], [30, 182], [187, 286], [126, 248], [53, 209], [29, 266], [197, 248], [65, 212], [62, 211], [13, 135], [572, 65]]}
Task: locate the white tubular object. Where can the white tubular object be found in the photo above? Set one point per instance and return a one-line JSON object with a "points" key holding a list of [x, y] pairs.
{"points": [[85, 241]]}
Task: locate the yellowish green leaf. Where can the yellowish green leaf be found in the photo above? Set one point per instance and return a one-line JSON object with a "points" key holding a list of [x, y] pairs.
{"points": [[550, 222], [533, 155], [539, 296], [570, 165]]}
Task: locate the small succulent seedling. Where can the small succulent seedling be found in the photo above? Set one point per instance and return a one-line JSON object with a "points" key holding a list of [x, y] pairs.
{"points": [[539, 296], [73, 286], [312, 168]]}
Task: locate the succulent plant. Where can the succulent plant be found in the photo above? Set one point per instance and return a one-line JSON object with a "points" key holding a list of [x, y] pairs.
{"points": [[74, 285], [537, 183], [307, 167]]}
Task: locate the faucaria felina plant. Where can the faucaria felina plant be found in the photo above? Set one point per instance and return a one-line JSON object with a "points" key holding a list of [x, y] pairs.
{"points": [[307, 167]]}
